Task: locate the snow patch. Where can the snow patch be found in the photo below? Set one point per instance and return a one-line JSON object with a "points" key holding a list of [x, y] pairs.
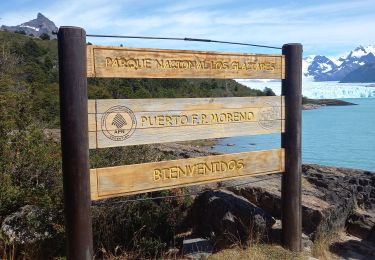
{"points": [[336, 61], [370, 49], [325, 67], [306, 62], [358, 53], [28, 26]]}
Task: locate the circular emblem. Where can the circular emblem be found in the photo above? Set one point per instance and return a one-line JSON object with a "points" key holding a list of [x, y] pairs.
{"points": [[269, 116], [118, 123]]}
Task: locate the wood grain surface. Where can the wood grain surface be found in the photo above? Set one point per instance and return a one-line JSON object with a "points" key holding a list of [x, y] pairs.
{"points": [[121, 62], [132, 179], [122, 122]]}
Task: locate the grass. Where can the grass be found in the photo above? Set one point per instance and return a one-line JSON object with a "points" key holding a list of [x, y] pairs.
{"points": [[321, 245], [258, 252]]}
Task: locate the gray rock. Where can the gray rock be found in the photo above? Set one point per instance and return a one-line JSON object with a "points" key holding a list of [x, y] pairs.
{"points": [[29, 224], [353, 249], [329, 196], [229, 219], [197, 248], [360, 223]]}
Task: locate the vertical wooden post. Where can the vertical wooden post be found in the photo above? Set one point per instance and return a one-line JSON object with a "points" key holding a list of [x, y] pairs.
{"points": [[74, 141], [291, 140]]}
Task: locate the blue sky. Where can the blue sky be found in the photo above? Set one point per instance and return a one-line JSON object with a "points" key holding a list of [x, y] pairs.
{"points": [[323, 27]]}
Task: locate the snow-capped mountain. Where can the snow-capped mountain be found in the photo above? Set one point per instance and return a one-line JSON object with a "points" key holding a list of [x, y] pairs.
{"points": [[36, 27], [322, 68], [319, 67]]}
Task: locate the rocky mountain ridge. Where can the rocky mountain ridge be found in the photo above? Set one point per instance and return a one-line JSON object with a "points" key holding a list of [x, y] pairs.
{"points": [[36, 27], [357, 66]]}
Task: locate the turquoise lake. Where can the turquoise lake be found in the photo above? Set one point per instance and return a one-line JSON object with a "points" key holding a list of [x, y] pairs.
{"points": [[342, 136]]}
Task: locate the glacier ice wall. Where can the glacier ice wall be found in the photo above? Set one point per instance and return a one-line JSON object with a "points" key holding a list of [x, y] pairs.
{"points": [[319, 90]]}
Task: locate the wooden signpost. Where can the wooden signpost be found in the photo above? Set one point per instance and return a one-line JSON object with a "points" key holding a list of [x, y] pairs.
{"points": [[90, 124]]}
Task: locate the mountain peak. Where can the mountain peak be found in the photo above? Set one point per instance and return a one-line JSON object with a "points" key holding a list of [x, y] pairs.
{"points": [[40, 17], [361, 52], [360, 48], [36, 27]]}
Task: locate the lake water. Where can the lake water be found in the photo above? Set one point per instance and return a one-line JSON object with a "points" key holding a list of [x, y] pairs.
{"points": [[338, 136]]}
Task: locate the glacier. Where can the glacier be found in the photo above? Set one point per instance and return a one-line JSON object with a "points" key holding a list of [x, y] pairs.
{"points": [[318, 90]]}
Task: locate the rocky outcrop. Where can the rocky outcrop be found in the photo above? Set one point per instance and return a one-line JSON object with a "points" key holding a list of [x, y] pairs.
{"points": [[38, 231], [228, 219], [30, 224], [332, 198], [361, 224]]}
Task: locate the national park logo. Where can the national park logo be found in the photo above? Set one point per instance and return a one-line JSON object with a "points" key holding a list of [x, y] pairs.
{"points": [[269, 116], [118, 123]]}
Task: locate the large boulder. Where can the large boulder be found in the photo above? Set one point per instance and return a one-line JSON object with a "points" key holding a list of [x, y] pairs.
{"points": [[360, 223], [30, 225], [351, 192], [228, 219], [330, 195]]}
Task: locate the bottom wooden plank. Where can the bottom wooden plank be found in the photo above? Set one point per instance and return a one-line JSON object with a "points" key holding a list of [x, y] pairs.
{"points": [[138, 178]]}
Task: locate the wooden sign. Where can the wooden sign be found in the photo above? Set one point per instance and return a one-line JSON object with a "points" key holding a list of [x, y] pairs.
{"points": [[122, 122], [119, 62], [139, 178], [126, 122]]}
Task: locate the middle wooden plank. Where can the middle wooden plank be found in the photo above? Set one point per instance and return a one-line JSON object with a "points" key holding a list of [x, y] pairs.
{"points": [[122, 122]]}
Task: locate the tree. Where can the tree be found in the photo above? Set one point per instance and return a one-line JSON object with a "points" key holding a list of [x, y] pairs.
{"points": [[269, 92], [45, 36], [21, 32]]}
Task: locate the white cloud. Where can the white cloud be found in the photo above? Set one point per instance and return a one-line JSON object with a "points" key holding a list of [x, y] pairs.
{"points": [[321, 27]]}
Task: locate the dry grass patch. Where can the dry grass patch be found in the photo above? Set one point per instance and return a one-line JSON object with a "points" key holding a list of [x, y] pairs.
{"points": [[322, 243], [258, 252]]}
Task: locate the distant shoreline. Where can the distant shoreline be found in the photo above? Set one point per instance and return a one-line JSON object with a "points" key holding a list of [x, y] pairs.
{"points": [[309, 104]]}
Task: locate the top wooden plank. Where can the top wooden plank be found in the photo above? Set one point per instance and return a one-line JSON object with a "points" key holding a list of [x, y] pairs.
{"points": [[120, 62]]}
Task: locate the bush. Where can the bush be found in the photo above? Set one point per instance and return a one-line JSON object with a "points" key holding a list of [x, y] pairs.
{"points": [[44, 36], [144, 228], [20, 32]]}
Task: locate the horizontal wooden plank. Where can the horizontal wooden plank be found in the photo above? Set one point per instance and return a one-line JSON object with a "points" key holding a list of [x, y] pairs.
{"points": [[144, 121], [114, 62], [132, 179]]}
